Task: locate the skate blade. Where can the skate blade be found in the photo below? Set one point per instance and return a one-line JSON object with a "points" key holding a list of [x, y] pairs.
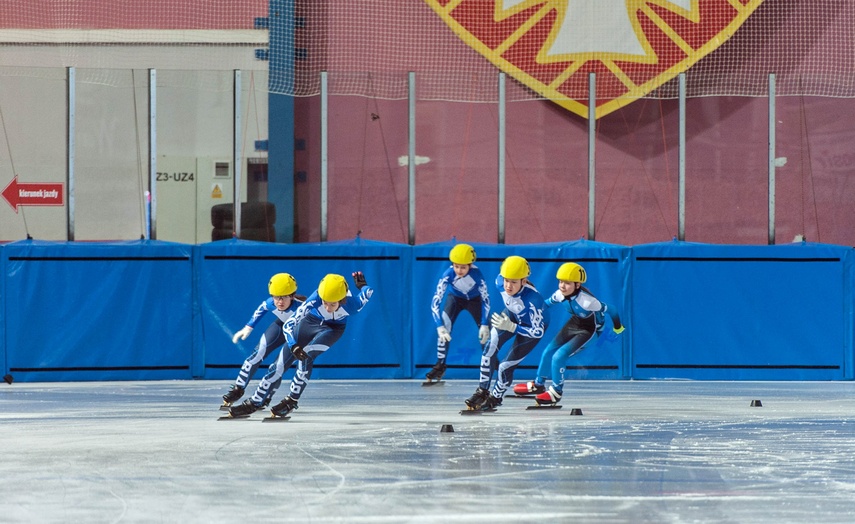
{"points": [[432, 383], [239, 417], [518, 395], [476, 411], [225, 407], [545, 406], [276, 419]]}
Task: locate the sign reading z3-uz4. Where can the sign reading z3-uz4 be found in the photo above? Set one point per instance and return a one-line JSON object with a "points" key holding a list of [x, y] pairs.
{"points": [[175, 177]]}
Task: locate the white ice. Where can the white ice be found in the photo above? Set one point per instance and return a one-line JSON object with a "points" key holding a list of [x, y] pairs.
{"points": [[372, 451]]}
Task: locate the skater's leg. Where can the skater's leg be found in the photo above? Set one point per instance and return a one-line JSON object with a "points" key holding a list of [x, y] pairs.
{"points": [[521, 347], [575, 344], [270, 341], [269, 383], [544, 369], [449, 317], [489, 356], [320, 343], [474, 308]]}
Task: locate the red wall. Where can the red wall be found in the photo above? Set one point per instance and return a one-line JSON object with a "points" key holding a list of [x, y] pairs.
{"points": [[547, 171]]}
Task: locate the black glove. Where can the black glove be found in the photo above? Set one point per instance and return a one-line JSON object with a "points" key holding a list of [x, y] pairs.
{"points": [[299, 353], [359, 279]]}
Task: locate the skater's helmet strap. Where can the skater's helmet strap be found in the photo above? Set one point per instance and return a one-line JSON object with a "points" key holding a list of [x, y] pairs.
{"points": [[462, 254], [333, 288], [282, 285]]}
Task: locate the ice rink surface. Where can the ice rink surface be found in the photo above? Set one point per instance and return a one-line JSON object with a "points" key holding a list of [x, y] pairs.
{"points": [[373, 451]]}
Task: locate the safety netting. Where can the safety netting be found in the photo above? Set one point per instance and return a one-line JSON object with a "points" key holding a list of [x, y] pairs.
{"points": [[636, 48]]}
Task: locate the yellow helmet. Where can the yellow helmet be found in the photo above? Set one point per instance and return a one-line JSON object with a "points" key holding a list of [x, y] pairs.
{"points": [[515, 268], [333, 288], [571, 272], [282, 285], [462, 254]]}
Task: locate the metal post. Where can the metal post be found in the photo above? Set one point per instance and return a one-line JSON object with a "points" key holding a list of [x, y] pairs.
{"points": [[772, 159], [152, 149], [238, 159], [681, 163], [324, 157], [502, 116], [412, 155], [592, 138], [71, 100]]}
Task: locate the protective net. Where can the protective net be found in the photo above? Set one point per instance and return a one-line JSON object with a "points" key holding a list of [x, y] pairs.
{"points": [[636, 47], [456, 47]]}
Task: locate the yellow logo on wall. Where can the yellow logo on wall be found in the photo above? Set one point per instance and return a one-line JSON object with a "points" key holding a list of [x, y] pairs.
{"points": [[633, 46], [216, 191]]}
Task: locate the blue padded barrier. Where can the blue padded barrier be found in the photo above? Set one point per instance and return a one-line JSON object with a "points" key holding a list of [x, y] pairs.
{"points": [[3, 359], [111, 311], [150, 310], [232, 282], [741, 312], [608, 273]]}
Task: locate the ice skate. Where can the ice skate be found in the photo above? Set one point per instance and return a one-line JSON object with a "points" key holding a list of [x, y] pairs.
{"points": [[528, 388], [244, 409], [234, 394], [491, 404], [550, 397], [282, 409], [477, 399], [435, 374]]}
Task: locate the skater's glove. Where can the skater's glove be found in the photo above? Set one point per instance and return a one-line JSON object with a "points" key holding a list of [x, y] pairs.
{"points": [[483, 334], [619, 330], [557, 297], [503, 323], [299, 353], [242, 334], [444, 335], [359, 279]]}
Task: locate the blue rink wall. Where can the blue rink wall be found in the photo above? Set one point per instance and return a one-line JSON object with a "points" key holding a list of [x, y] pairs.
{"points": [[151, 310]]}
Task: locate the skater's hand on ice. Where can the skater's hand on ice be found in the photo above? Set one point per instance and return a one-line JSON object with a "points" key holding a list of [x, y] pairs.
{"points": [[242, 334], [557, 297], [483, 334], [299, 353], [444, 335], [359, 279], [503, 323]]}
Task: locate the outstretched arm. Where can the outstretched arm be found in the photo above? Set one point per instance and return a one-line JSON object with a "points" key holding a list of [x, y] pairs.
{"points": [[365, 291]]}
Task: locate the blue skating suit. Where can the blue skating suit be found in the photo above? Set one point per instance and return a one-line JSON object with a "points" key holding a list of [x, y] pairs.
{"points": [[468, 292], [315, 330], [526, 309], [272, 339], [587, 316]]}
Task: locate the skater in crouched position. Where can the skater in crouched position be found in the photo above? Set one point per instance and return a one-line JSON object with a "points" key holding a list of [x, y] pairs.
{"points": [[318, 324], [522, 321], [466, 289], [283, 302], [587, 315]]}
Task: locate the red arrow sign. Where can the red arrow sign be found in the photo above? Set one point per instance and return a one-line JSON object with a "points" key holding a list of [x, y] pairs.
{"points": [[33, 194]]}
